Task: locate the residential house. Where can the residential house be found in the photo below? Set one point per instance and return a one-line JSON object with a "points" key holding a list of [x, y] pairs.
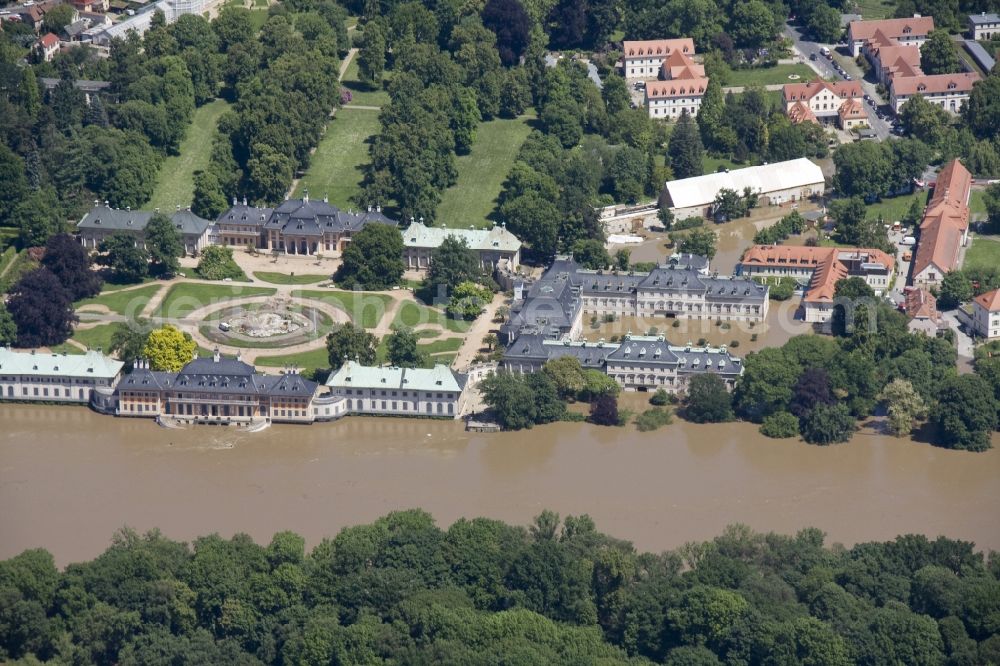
{"points": [[890, 60], [215, 390], [637, 362], [644, 60], [945, 226], [296, 226], [949, 91], [390, 391], [921, 309], [984, 26], [908, 31], [820, 269], [825, 101], [777, 183], [493, 246], [667, 100], [47, 47], [47, 377], [986, 315], [103, 221]]}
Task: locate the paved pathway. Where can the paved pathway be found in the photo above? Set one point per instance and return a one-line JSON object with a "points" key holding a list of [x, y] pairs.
{"points": [[474, 336]]}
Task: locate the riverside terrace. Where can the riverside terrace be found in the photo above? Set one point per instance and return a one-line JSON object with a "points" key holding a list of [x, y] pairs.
{"points": [[554, 305], [637, 362]]}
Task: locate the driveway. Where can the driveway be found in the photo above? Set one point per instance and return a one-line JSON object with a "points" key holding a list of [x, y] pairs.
{"points": [[964, 343], [825, 69]]}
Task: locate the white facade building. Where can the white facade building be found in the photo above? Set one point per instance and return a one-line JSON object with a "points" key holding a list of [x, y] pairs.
{"points": [[778, 183], [986, 314], [491, 245], [47, 377], [984, 26], [667, 100], [391, 391], [642, 60]]}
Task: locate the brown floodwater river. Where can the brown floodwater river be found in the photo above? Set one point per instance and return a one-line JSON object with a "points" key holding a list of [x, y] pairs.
{"points": [[69, 478]]}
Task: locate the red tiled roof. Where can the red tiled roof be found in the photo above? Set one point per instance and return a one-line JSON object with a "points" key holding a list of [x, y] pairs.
{"points": [[921, 304], [990, 300], [825, 262], [934, 83], [893, 28], [851, 110], [805, 91], [945, 221], [656, 47], [49, 40], [801, 113], [676, 88]]}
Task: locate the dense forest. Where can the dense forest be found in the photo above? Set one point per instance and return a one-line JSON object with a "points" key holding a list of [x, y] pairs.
{"points": [[402, 590]]}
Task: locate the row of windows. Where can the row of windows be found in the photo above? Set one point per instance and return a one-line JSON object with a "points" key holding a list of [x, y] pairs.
{"points": [[399, 406], [44, 392], [31, 379], [402, 394]]}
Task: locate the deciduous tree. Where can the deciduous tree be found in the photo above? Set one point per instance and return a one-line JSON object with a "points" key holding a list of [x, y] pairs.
{"points": [[402, 349], [216, 263], [71, 264], [168, 348], [904, 406], [41, 309], [708, 400], [164, 243], [938, 54], [128, 263], [373, 260], [828, 424], [347, 342], [965, 414]]}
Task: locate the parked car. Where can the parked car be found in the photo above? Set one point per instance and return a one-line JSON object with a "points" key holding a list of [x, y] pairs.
{"points": [[847, 77], [908, 240], [812, 56]]}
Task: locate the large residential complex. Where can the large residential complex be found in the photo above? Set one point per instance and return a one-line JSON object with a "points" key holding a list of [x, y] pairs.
{"points": [[493, 246], [102, 221], [392, 391], [296, 226], [778, 183], [555, 305], [820, 268], [682, 81], [907, 31], [825, 101], [48, 377], [637, 362], [945, 226], [215, 390], [892, 46], [986, 315]]}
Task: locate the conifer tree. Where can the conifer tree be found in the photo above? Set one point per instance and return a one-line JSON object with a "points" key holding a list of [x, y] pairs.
{"points": [[685, 149]]}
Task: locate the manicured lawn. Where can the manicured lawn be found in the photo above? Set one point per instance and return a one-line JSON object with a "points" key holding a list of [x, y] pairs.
{"points": [[96, 337], [413, 314], [284, 278], [976, 204], [875, 9], [175, 183], [335, 168], [763, 76], [712, 164], [182, 299], [895, 208], [364, 307], [983, 253], [481, 173], [361, 93], [129, 302], [442, 346], [310, 360]]}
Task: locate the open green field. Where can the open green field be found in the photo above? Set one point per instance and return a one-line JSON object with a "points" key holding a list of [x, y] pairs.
{"points": [[411, 315], [97, 337], [481, 173], [442, 346], [335, 168], [977, 206], [284, 278], [764, 76], [129, 302], [874, 9], [361, 93], [983, 253], [365, 307], [310, 360], [895, 208], [175, 182], [183, 299]]}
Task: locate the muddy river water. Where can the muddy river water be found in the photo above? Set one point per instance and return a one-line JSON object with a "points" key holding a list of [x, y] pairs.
{"points": [[69, 478]]}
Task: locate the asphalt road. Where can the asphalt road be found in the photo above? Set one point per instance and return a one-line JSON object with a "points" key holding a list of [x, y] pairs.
{"points": [[825, 68]]}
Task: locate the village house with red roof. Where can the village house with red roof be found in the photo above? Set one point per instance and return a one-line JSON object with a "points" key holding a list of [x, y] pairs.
{"points": [[986, 314], [944, 229], [682, 81], [825, 101]]}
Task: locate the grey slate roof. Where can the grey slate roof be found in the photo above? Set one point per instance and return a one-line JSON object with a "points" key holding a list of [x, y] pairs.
{"points": [[220, 377], [638, 350], [980, 19], [81, 84], [979, 54], [303, 217], [116, 219]]}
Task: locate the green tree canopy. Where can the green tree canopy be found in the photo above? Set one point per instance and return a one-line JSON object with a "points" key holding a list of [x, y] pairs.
{"points": [[708, 400], [373, 260], [127, 261], [347, 342], [402, 349], [168, 349], [164, 243]]}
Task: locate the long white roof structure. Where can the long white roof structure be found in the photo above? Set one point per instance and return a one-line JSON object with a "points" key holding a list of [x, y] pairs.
{"points": [[497, 238], [91, 364], [355, 375], [701, 190]]}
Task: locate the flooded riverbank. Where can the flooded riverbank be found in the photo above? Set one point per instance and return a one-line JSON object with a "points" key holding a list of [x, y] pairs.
{"points": [[69, 478]]}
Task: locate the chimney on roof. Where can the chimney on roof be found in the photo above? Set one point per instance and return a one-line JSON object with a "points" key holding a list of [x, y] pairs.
{"points": [[378, 208], [305, 196], [244, 201], [326, 198], [216, 356], [234, 199], [177, 207]]}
